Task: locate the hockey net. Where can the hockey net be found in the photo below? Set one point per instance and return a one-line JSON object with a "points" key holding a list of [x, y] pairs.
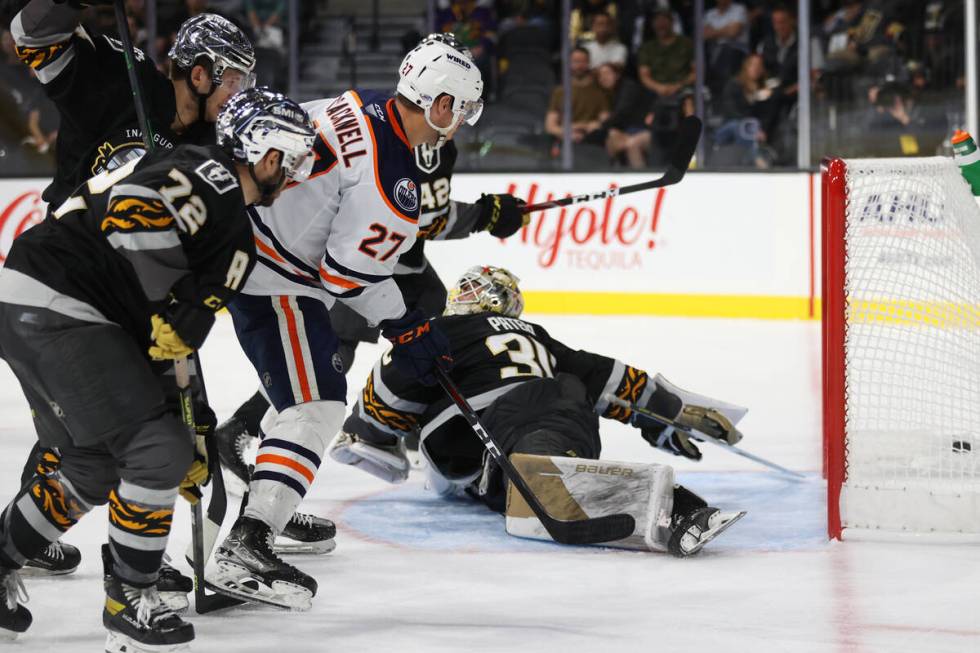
{"points": [[901, 346]]}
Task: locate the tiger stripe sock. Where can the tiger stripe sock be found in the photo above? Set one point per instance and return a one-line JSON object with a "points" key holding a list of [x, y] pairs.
{"points": [[40, 514], [139, 526]]}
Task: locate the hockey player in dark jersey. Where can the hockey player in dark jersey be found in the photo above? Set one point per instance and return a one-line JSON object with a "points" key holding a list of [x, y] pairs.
{"points": [[536, 396], [133, 268], [440, 218], [85, 76]]}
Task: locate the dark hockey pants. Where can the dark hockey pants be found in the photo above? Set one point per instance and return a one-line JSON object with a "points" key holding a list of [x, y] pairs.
{"points": [[95, 397], [547, 417]]}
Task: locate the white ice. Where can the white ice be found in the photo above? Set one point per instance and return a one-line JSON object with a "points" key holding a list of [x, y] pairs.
{"points": [[414, 573]]}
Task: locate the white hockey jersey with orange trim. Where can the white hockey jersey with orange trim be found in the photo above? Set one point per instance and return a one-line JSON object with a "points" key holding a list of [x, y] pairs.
{"points": [[340, 232]]}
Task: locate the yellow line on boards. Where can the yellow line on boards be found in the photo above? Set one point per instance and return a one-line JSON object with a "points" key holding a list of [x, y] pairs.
{"points": [[721, 306]]}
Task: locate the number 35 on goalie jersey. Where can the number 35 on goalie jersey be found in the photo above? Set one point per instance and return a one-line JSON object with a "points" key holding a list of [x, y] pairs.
{"points": [[341, 231]]}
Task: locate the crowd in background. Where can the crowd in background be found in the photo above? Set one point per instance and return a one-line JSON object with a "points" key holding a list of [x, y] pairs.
{"points": [[886, 76]]}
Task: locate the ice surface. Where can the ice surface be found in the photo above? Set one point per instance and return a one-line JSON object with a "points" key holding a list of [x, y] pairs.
{"points": [[412, 572]]}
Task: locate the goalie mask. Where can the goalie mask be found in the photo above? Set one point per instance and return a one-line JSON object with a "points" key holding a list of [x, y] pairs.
{"points": [[440, 65], [484, 289]]}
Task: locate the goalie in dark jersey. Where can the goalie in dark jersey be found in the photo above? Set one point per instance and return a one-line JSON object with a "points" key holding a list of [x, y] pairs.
{"points": [[536, 396]]}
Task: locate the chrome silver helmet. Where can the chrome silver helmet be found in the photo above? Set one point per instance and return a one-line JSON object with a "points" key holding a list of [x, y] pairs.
{"points": [[220, 41], [257, 120]]}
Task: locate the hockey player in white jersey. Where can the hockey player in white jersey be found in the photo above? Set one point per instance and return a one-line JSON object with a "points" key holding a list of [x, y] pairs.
{"points": [[338, 234]]}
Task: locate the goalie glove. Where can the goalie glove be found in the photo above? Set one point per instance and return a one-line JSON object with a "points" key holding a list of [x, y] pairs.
{"points": [[389, 462], [672, 441]]}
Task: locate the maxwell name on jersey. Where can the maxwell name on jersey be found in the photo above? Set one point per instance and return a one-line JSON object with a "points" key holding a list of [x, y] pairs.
{"points": [[342, 229]]}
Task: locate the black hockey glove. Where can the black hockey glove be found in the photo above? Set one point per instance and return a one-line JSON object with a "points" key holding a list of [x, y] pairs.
{"points": [[417, 346], [501, 215], [671, 440]]}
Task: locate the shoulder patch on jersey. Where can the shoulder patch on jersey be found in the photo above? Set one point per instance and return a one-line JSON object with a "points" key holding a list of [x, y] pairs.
{"points": [[427, 158], [407, 194], [217, 176]]}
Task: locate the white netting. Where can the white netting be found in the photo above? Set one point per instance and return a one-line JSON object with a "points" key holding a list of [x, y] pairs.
{"points": [[912, 348]]}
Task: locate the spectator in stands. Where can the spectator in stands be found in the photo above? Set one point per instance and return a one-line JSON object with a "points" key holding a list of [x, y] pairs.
{"points": [[779, 51], [626, 133], [666, 68], [604, 47], [726, 36], [583, 12], [590, 104], [747, 105], [266, 19], [475, 26], [892, 127]]}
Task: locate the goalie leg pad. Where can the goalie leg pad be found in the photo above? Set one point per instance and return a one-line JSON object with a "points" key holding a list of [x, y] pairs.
{"points": [[388, 461], [578, 488], [288, 459]]}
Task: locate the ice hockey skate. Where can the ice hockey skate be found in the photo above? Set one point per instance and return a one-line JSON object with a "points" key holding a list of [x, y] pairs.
{"points": [[692, 531], [172, 585], [235, 437], [246, 567], [57, 559], [14, 617], [306, 533], [138, 621]]}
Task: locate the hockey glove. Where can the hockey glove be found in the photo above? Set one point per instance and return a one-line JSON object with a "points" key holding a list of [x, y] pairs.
{"points": [[199, 473], [417, 346], [501, 215], [671, 440], [179, 331]]}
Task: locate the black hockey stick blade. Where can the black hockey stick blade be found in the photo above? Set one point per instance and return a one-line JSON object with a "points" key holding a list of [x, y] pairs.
{"points": [[595, 530], [680, 160]]}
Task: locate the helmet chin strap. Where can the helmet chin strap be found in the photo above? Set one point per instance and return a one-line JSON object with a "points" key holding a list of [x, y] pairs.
{"points": [[266, 190], [202, 98], [442, 131]]}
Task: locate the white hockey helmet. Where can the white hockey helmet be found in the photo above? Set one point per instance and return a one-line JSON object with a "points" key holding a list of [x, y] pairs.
{"points": [[434, 67], [484, 288]]}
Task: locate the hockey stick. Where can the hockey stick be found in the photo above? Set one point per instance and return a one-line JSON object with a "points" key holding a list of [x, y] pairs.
{"points": [[700, 437], [204, 533], [687, 142], [129, 54], [201, 530], [580, 531]]}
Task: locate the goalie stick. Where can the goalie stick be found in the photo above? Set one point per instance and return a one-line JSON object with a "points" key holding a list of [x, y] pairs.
{"points": [[204, 532], [697, 435], [579, 531], [680, 159]]}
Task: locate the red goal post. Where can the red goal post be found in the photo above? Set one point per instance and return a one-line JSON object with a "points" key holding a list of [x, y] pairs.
{"points": [[901, 350]]}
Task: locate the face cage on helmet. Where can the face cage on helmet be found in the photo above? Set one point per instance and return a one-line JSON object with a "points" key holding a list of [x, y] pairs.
{"points": [[476, 293]]}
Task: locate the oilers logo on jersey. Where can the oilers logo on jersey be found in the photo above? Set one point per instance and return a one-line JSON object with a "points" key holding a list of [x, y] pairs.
{"points": [[406, 195]]}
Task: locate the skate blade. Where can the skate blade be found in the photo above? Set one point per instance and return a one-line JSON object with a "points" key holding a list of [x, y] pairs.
{"points": [[119, 643], [176, 601], [707, 536], [288, 546], [239, 583], [39, 572]]}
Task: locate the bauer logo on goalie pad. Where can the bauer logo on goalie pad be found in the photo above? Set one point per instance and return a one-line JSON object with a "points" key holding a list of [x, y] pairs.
{"points": [[217, 176], [407, 194]]}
